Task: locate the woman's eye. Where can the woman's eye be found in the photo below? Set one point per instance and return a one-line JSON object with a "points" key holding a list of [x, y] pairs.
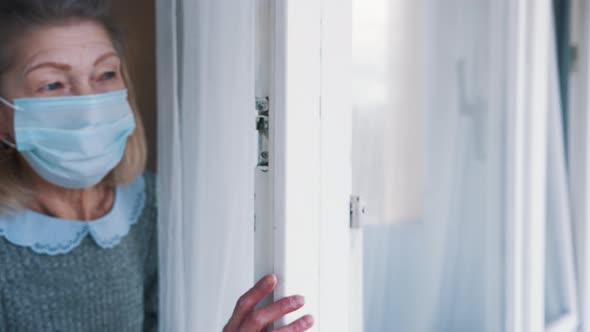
{"points": [[108, 76], [53, 86]]}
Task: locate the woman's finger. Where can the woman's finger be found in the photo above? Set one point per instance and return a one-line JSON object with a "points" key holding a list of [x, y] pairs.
{"points": [[249, 300], [302, 324], [262, 317]]}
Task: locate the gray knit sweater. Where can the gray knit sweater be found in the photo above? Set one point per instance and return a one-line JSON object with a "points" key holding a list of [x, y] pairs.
{"points": [[89, 288]]}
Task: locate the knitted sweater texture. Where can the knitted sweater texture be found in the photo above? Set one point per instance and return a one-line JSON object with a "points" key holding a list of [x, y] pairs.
{"points": [[87, 289]]}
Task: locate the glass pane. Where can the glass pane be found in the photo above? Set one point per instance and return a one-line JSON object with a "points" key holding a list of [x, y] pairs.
{"points": [[428, 160], [389, 118]]}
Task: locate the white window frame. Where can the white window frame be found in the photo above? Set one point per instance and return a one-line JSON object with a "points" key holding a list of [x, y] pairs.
{"points": [[264, 88], [526, 162], [297, 261], [296, 156], [308, 184]]}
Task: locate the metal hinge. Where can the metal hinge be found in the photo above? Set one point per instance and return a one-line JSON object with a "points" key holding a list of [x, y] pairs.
{"points": [[263, 128], [357, 211]]}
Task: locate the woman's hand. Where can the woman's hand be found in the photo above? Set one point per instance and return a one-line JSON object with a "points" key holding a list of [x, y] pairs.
{"points": [[246, 319]]}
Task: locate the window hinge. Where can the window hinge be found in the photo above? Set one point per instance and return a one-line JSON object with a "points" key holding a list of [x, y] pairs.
{"points": [[263, 128], [357, 211]]}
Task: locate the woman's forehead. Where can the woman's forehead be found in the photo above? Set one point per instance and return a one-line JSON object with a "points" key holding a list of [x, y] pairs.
{"points": [[76, 44]]}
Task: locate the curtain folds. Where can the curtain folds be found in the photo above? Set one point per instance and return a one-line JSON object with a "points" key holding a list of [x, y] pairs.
{"points": [[207, 150], [446, 272]]}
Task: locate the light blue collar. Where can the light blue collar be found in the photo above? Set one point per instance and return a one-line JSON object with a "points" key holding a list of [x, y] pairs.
{"points": [[53, 236]]}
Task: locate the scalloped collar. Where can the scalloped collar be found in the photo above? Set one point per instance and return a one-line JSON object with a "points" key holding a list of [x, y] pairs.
{"points": [[53, 236]]}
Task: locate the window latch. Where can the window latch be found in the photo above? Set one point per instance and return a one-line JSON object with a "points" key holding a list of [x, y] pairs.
{"points": [[263, 128]]}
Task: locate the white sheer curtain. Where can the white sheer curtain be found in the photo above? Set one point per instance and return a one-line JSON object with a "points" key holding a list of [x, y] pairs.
{"points": [[389, 121], [561, 291], [207, 150], [444, 268], [443, 271]]}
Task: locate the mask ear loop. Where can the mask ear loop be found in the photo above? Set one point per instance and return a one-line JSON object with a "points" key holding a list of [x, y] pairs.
{"points": [[7, 143], [5, 102]]}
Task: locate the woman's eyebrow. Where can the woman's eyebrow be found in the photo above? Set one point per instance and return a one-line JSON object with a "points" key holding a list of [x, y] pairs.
{"points": [[66, 67], [59, 66], [105, 56]]}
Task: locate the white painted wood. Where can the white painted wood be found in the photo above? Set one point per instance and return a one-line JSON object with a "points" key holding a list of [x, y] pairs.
{"points": [[264, 229], [336, 171], [297, 131], [312, 171], [526, 165]]}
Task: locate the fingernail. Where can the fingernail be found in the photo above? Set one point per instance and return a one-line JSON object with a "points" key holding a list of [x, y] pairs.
{"points": [[270, 280], [307, 322], [297, 300]]}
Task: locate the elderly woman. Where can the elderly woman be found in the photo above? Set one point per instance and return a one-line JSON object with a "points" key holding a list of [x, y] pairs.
{"points": [[78, 232]]}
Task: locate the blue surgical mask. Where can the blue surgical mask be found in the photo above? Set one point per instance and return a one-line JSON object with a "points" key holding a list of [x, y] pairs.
{"points": [[73, 141]]}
